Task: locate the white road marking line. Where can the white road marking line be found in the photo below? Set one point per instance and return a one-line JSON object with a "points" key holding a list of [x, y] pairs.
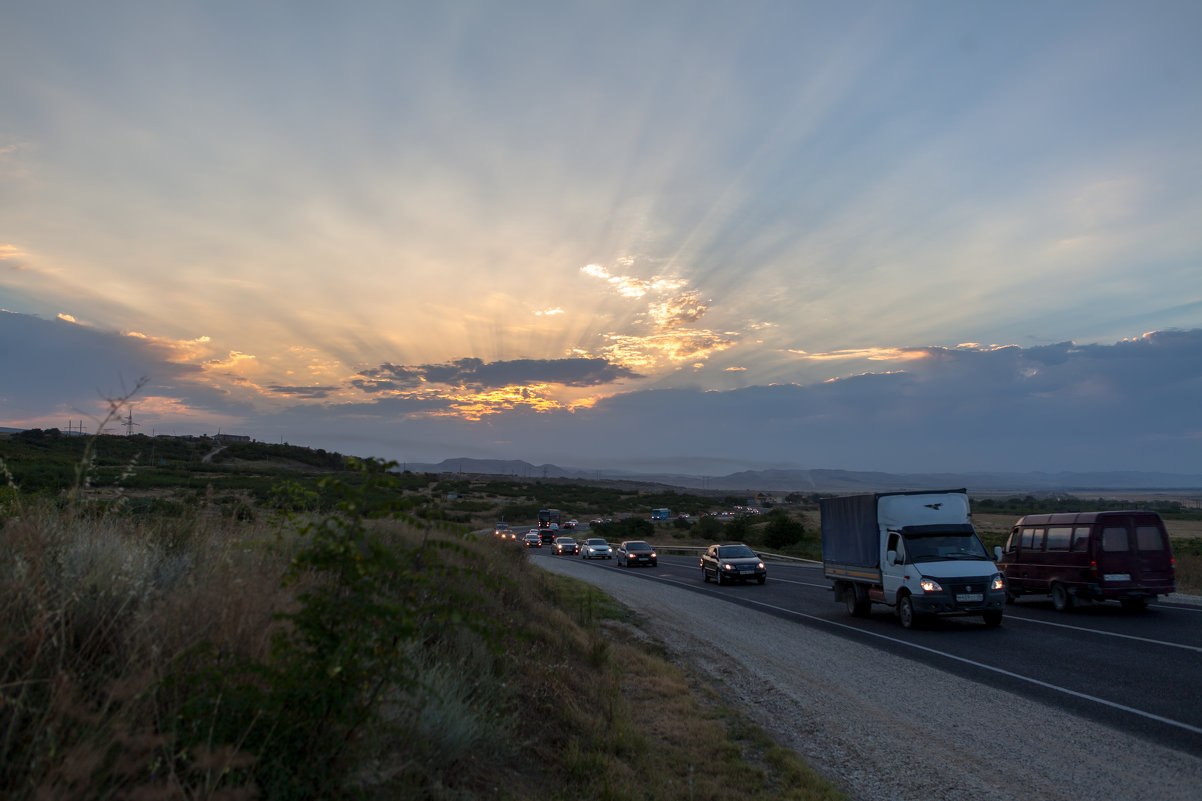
{"points": [[981, 665], [1105, 633]]}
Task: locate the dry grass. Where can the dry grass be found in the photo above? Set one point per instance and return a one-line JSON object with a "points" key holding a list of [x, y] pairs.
{"points": [[96, 612], [100, 611]]}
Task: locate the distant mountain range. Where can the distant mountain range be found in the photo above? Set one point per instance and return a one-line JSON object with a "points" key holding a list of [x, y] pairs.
{"points": [[834, 480]]}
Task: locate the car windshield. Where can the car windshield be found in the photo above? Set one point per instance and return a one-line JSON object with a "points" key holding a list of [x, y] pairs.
{"points": [[735, 552], [944, 546], [597, 542], [637, 546], [566, 541]]}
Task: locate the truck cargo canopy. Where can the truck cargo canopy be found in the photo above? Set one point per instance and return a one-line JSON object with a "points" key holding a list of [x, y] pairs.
{"points": [[849, 530]]}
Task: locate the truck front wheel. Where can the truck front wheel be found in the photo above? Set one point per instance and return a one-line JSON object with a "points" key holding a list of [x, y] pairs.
{"points": [[906, 613]]}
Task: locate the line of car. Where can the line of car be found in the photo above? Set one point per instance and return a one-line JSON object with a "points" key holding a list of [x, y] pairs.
{"points": [[721, 563]]}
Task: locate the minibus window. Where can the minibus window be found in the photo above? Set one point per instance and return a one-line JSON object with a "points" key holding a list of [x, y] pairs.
{"points": [[1147, 538], [1114, 539], [1058, 538], [1011, 541], [1081, 538], [1028, 537]]}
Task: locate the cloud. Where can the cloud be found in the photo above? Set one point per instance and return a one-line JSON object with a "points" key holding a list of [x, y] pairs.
{"points": [[53, 368], [872, 354], [1128, 405], [12, 257], [684, 309], [647, 352], [629, 286], [309, 393], [478, 374]]}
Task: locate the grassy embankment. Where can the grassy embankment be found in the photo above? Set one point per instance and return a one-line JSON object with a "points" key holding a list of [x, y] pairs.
{"points": [[333, 643]]}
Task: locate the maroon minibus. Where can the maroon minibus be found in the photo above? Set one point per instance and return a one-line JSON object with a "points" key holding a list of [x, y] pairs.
{"points": [[1089, 556]]}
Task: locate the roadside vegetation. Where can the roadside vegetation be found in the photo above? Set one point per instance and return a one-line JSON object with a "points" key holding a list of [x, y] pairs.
{"points": [[333, 635]]}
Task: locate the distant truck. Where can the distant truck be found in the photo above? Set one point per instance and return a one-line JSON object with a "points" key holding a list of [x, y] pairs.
{"points": [[914, 551], [661, 514]]}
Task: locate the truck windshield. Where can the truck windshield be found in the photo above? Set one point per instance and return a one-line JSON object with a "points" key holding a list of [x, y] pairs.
{"points": [[938, 547]]}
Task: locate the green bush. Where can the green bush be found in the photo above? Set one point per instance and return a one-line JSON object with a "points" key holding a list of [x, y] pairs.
{"points": [[782, 531], [367, 606], [629, 528]]}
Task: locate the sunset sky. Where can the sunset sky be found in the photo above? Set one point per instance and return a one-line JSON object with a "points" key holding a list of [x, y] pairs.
{"points": [[697, 236]]}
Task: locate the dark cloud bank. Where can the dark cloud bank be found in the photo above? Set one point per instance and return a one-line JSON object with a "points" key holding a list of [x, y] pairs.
{"points": [[1132, 405], [478, 374]]}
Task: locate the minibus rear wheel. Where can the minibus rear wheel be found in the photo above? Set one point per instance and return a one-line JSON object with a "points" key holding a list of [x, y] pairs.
{"points": [[1062, 601]]}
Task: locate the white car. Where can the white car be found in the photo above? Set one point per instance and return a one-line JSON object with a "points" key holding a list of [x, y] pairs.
{"points": [[596, 548]]}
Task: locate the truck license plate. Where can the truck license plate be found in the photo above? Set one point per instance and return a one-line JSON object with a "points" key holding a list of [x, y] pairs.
{"points": [[969, 597], [1117, 577]]}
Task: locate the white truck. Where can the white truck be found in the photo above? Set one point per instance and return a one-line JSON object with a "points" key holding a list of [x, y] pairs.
{"points": [[914, 551]]}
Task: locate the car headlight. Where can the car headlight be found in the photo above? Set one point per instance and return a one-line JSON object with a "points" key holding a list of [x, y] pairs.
{"points": [[999, 583], [653, 554], [760, 566], [727, 566], [930, 585]]}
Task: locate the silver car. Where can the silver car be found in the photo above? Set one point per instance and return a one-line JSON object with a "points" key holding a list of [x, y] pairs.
{"points": [[596, 548]]}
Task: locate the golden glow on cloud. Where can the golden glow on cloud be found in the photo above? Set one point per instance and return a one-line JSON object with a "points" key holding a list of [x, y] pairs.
{"points": [[629, 286], [11, 253], [67, 318], [477, 404], [871, 354], [683, 309], [669, 339], [648, 352]]}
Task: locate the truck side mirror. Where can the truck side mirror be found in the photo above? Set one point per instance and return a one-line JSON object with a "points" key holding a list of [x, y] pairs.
{"points": [[891, 557], [997, 553]]}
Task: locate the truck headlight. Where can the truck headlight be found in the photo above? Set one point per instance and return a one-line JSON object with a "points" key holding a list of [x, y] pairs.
{"points": [[930, 585], [998, 583]]}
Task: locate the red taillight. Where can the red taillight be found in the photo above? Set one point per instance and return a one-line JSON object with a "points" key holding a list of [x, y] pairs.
{"points": [[1093, 569]]}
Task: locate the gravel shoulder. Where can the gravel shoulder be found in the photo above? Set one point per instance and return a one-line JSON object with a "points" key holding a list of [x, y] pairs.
{"points": [[901, 730]]}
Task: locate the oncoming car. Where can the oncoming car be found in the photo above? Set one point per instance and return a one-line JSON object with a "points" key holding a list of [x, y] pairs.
{"points": [[734, 562], [532, 539], [636, 552], [566, 545], [596, 548]]}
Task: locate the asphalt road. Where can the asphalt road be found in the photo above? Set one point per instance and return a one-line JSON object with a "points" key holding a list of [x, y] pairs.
{"points": [[1138, 672]]}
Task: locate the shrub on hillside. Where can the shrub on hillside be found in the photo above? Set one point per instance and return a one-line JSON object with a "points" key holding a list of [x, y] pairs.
{"points": [[782, 531], [629, 528]]}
